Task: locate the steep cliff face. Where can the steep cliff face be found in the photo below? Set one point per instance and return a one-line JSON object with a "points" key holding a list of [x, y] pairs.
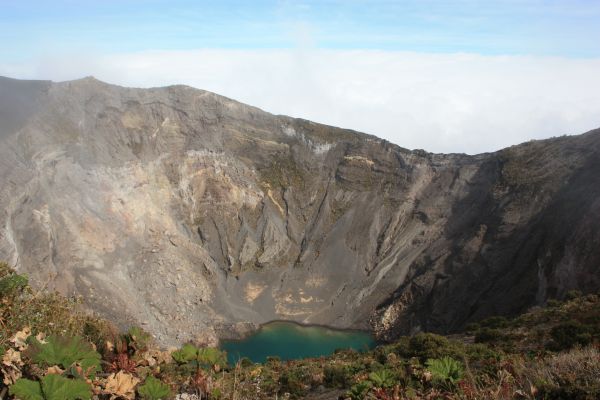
{"points": [[193, 215]]}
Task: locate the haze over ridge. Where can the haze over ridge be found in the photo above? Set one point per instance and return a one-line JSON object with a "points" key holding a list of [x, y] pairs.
{"points": [[440, 102]]}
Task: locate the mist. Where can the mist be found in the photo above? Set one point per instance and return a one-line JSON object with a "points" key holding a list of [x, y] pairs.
{"points": [[465, 103]]}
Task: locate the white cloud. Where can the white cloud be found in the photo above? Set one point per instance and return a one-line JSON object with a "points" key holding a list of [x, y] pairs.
{"points": [[439, 102]]}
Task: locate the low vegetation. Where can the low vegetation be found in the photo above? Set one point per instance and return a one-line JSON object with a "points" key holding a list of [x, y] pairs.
{"points": [[51, 350]]}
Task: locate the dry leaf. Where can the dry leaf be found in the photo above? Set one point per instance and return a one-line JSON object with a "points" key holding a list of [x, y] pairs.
{"points": [[12, 358], [11, 374], [149, 359], [10, 367], [121, 384], [427, 376], [160, 357], [20, 338], [164, 357], [56, 370], [41, 337]]}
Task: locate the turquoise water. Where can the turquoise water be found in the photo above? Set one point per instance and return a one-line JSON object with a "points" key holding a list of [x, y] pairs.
{"points": [[290, 341]]}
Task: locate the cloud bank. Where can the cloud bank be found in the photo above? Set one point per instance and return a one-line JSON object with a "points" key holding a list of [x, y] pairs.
{"points": [[439, 102]]}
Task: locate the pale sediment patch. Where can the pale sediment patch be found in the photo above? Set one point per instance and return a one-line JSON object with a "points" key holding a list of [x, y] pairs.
{"points": [[316, 281], [359, 159], [253, 290]]}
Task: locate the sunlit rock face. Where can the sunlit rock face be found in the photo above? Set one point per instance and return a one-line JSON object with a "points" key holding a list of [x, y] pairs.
{"points": [[196, 216]]}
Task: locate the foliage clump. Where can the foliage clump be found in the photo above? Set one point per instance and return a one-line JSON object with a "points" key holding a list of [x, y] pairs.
{"points": [[50, 313], [445, 370], [154, 389], [569, 334], [65, 352], [547, 353], [207, 357], [52, 387], [426, 346]]}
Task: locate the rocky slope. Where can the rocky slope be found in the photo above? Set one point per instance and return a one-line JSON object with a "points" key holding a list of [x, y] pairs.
{"points": [[197, 216]]}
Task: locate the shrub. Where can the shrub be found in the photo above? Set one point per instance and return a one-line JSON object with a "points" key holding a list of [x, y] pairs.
{"points": [[553, 303], [573, 294], [211, 357], [428, 345], [480, 352], [445, 371], [205, 357], [12, 284], [215, 394], [359, 391], [566, 392], [154, 389], [382, 379], [97, 332], [49, 313], [568, 334], [187, 353], [568, 375], [382, 352], [337, 376], [273, 361], [294, 382], [488, 335], [138, 339], [494, 322], [245, 362]]}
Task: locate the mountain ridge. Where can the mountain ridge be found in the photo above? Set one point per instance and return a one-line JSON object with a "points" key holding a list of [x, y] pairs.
{"points": [[194, 214]]}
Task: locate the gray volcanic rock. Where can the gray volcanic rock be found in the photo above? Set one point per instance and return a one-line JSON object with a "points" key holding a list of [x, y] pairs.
{"points": [[198, 217]]}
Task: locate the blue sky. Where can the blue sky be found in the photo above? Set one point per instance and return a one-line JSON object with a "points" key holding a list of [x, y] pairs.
{"points": [[557, 28]]}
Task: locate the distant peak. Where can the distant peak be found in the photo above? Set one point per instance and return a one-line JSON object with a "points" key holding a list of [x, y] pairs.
{"points": [[87, 83], [90, 78]]}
